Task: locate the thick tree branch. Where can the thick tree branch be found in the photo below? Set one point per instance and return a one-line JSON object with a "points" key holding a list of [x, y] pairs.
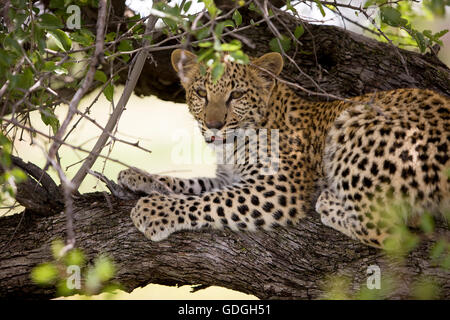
{"points": [[288, 263], [39, 193]]}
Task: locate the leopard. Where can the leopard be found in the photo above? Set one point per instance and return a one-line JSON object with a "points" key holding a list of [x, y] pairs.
{"points": [[345, 159]]}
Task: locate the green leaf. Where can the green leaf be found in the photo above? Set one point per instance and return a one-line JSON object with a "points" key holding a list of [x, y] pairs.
{"points": [[440, 34], [392, 17], [427, 223], [92, 282], [187, 6], [44, 274], [74, 257], [6, 58], [57, 246], [19, 175], [100, 76], [217, 71], [202, 33], [205, 55], [110, 36], [438, 249], [62, 39], [104, 268], [40, 38], [237, 18], [56, 4], [420, 40], [285, 44], [232, 46], [290, 7], [211, 7], [52, 67], [19, 20], [125, 45], [12, 44], [109, 92], [369, 3], [84, 37], [299, 31], [221, 25], [26, 79], [240, 57], [50, 119], [253, 7], [425, 289], [62, 290], [23, 80], [20, 4], [319, 5], [205, 44], [49, 21]]}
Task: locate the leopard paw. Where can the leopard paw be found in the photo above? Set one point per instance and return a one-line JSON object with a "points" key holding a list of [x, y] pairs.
{"points": [[139, 181], [156, 224]]}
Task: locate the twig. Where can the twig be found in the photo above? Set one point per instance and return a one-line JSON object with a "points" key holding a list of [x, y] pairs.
{"points": [[73, 106], [112, 122]]}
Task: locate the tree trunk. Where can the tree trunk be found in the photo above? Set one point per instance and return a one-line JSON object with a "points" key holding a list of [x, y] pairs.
{"points": [[289, 263]]}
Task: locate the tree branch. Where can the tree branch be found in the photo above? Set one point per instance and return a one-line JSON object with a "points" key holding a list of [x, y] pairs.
{"points": [[114, 118], [288, 263]]}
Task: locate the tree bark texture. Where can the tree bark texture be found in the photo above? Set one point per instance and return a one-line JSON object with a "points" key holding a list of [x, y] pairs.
{"points": [[289, 263]]}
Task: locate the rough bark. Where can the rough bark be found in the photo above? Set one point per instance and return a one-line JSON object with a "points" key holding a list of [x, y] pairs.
{"points": [[288, 263]]}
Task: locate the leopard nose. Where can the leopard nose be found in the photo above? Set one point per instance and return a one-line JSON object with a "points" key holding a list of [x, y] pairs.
{"points": [[213, 124]]}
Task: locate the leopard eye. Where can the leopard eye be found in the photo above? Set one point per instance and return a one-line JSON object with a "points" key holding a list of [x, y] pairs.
{"points": [[202, 93], [237, 94]]}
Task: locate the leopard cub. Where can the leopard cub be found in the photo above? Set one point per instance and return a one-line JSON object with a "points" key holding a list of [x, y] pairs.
{"points": [[362, 155]]}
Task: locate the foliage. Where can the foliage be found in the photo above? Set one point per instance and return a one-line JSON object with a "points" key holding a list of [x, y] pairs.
{"points": [[9, 176], [395, 20], [70, 273], [402, 242]]}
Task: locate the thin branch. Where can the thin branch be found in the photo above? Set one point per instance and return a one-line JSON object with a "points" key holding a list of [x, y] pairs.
{"points": [[73, 106], [112, 122]]}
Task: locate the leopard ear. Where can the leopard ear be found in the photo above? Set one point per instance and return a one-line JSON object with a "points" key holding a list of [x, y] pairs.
{"points": [[272, 62], [183, 59]]}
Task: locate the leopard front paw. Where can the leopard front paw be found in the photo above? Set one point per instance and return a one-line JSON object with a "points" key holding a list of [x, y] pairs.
{"points": [[139, 181], [153, 219]]}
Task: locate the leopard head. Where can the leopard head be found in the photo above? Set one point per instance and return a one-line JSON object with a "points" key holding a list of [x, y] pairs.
{"points": [[237, 100]]}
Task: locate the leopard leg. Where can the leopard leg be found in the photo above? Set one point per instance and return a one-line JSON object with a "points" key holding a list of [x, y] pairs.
{"points": [[367, 226], [250, 205], [140, 181], [332, 212]]}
